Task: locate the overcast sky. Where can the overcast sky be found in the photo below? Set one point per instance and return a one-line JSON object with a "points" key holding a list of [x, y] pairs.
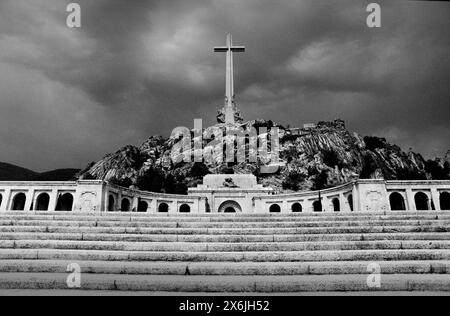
{"points": [[142, 67]]}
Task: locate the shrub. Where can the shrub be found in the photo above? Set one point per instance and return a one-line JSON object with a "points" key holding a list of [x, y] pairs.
{"points": [[199, 170], [369, 167], [293, 181], [331, 159], [410, 174], [437, 171]]}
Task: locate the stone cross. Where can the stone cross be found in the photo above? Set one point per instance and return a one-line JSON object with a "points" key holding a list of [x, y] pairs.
{"points": [[229, 109]]}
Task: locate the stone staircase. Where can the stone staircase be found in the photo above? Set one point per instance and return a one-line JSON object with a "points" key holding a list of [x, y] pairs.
{"points": [[233, 253]]}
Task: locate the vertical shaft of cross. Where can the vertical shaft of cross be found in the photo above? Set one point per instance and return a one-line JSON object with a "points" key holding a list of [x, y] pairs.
{"points": [[229, 109], [229, 91], [229, 96]]}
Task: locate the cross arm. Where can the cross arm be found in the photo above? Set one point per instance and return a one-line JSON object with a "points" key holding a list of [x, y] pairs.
{"points": [[223, 49], [238, 49]]}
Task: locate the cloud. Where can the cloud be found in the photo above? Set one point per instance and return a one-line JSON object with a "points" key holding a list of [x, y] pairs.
{"points": [[68, 96]]}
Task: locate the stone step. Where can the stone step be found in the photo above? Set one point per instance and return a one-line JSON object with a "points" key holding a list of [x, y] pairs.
{"points": [[223, 247], [230, 284], [230, 225], [285, 256], [228, 231], [137, 217], [225, 268], [223, 238]]}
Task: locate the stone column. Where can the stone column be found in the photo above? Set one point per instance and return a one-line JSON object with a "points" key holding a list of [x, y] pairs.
{"points": [[309, 206], [344, 204], [35, 197], [356, 199], [325, 205], [5, 200], [29, 201], [285, 207], [154, 205], [119, 201], [410, 200], [135, 204], [105, 200], [53, 200], [436, 198]]}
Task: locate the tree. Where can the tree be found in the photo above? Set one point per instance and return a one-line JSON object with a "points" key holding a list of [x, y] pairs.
{"points": [[199, 170], [331, 159], [438, 171], [293, 181], [369, 167], [321, 181]]}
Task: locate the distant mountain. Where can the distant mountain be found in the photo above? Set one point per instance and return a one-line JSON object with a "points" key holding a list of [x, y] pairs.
{"points": [[9, 172], [58, 175]]}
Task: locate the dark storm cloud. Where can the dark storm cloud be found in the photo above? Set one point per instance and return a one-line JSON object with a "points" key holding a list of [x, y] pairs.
{"points": [[138, 68]]}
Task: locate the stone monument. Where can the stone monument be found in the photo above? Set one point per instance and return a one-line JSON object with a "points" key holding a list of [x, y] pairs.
{"points": [[229, 114]]}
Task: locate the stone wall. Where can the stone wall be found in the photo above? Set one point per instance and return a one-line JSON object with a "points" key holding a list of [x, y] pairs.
{"points": [[214, 196]]}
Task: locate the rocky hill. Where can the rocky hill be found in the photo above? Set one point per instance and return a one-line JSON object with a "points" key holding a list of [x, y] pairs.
{"points": [[311, 158]]}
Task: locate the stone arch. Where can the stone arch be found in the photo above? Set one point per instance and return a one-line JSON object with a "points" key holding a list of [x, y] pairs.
{"points": [[111, 203], [185, 208], [142, 207], [163, 208], [65, 202], [275, 208], [19, 202], [317, 207], [230, 207], [125, 206], [42, 202], [397, 202], [336, 205], [445, 201], [297, 208], [422, 201], [350, 202]]}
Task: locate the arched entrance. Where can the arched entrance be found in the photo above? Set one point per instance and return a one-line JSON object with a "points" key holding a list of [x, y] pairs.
{"points": [[397, 202], [422, 201], [297, 208], [125, 206], [163, 208], [111, 204], [1, 200], [42, 202], [19, 202], [185, 208], [336, 205], [275, 208], [317, 206], [445, 201], [230, 207], [142, 207], [65, 203]]}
